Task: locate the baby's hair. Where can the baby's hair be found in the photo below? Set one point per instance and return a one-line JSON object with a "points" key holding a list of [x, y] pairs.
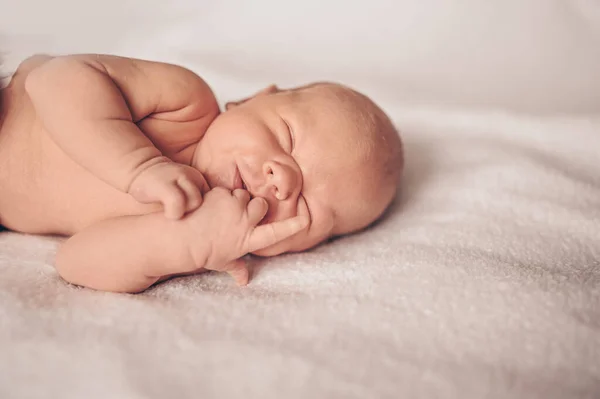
{"points": [[388, 149], [372, 120]]}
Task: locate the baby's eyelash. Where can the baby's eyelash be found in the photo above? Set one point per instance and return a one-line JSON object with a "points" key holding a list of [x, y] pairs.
{"points": [[292, 138], [307, 209]]}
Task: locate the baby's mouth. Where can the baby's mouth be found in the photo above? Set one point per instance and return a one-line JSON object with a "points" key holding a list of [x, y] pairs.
{"points": [[244, 186], [239, 180]]}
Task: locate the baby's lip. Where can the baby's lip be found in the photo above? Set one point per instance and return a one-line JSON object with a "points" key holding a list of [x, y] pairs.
{"points": [[243, 182], [237, 179]]}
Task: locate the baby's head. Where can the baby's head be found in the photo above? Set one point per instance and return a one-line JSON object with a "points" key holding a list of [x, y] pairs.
{"points": [[321, 150]]}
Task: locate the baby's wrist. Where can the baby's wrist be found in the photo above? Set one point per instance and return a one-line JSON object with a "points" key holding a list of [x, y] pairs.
{"points": [[201, 243], [198, 246], [147, 159], [173, 253]]}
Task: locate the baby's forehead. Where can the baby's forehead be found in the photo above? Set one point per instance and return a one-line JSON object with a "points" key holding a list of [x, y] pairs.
{"points": [[332, 137], [326, 119]]}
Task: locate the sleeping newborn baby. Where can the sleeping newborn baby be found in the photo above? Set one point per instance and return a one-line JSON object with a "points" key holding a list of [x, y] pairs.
{"points": [[135, 163]]}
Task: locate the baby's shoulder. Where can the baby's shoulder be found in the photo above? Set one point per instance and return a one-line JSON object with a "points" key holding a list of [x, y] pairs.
{"points": [[12, 92], [29, 64]]}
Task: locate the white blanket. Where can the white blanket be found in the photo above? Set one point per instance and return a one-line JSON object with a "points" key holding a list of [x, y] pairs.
{"points": [[483, 280]]}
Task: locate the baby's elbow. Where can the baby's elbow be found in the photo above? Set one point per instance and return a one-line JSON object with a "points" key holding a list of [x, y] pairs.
{"points": [[204, 103], [212, 110], [73, 267], [66, 267], [201, 102]]}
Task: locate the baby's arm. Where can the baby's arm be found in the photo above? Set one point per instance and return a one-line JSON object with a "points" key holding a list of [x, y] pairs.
{"points": [[129, 254], [90, 104], [124, 254]]}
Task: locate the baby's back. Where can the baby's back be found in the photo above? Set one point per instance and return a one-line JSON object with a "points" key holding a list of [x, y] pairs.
{"points": [[42, 191]]}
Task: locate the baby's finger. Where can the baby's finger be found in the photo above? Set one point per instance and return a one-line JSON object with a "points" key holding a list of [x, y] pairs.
{"points": [[269, 234], [257, 209], [192, 193], [242, 195], [239, 271], [173, 201], [198, 179]]}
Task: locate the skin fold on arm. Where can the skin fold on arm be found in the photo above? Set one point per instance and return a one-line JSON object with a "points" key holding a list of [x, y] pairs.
{"points": [[119, 117]]}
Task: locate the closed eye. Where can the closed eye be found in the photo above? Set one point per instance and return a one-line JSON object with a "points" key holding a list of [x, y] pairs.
{"points": [[292, 138], [309, 214]]}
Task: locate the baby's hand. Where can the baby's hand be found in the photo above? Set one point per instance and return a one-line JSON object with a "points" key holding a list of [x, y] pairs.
{"points": [[177, 186], [229, 220]]}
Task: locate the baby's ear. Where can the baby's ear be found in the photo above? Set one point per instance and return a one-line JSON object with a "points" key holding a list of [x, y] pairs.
{"points": [[271, 89]]}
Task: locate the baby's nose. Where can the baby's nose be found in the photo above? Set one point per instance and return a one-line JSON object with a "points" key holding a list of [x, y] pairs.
{"points": [[280, 179]]}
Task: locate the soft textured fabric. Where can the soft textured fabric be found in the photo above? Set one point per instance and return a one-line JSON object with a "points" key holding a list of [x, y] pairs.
{"points": [[482, 281]]}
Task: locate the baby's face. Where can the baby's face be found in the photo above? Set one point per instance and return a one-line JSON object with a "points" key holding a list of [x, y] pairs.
{"points": [[287, 148]]}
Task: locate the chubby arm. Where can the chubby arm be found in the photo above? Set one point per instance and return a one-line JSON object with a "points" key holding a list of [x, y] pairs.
{"points": [[125, 254], [91, 105], [131, 253]]}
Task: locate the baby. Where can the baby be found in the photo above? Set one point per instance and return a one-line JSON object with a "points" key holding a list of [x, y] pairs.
{"points": [[135, 163]]}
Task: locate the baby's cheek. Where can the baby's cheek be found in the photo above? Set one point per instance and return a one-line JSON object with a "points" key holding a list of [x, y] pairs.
{"points": [[270, 217], [278, 211]]}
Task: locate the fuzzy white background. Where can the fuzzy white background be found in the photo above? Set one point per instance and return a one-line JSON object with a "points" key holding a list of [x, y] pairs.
{"points": [[482, 281]]}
